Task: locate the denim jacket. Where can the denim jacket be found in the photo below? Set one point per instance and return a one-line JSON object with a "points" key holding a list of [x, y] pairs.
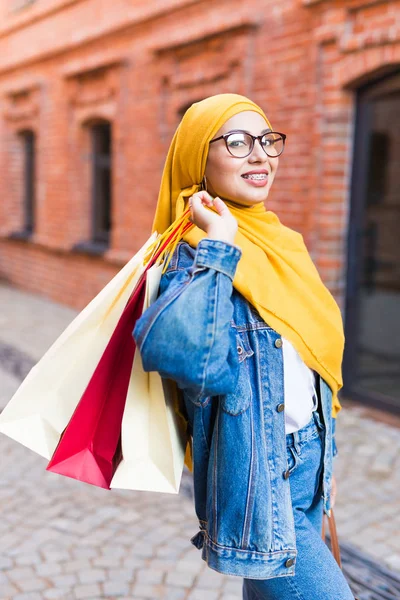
{"points": [[203, 334]]}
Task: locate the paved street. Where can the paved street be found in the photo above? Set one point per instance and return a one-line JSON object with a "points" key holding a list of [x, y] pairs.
{"points": [[63, 539]]}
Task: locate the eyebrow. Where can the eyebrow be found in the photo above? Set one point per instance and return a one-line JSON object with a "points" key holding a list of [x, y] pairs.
{"points": [[245, 131]]}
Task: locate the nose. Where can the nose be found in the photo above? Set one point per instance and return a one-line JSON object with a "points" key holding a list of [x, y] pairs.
{"points": [[258, 154]]}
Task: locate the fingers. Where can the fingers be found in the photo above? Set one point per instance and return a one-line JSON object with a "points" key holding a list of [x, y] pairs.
{"points": [[221, 207], [201, 198], [198, 202], [218, 218]]}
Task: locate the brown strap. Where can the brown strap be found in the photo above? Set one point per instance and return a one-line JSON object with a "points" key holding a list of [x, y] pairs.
{"points": [[334, 539], [333, 535]]}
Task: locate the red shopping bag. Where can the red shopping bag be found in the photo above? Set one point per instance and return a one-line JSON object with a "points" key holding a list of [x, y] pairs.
{"points": [[89, 448]]}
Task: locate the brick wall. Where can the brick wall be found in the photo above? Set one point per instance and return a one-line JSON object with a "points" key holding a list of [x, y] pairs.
{"points": [[65, 64]]}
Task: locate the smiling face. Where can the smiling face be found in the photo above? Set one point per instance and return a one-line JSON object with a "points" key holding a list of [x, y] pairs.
{"points": [[245, 181]]}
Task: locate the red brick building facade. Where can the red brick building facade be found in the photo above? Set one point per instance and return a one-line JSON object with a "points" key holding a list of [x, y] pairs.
{"points": [[92, 90]]}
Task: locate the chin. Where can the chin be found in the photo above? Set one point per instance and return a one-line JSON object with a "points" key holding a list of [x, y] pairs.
{"points": [[245, 198], [254, 195], [254, 198]]}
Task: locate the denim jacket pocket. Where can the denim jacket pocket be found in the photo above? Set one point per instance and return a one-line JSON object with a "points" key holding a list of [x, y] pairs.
{"points": [[238, 401]]}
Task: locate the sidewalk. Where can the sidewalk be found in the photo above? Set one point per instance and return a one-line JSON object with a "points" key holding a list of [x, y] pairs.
{"points": [[63, 539]]}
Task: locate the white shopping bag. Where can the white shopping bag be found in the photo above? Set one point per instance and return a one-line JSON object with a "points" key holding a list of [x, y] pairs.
{"points": [[42, 406], [153, 436]]}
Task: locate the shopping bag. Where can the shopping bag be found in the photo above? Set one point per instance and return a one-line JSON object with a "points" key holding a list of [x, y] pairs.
{"points": [[153, 436], [87, 448], [42, 406]]}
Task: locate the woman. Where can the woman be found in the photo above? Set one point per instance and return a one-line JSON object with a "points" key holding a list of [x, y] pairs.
{"points": [[252, 337]]}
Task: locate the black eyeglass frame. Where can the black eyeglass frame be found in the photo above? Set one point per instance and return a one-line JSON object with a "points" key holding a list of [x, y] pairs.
{"points": [[254, 138]]}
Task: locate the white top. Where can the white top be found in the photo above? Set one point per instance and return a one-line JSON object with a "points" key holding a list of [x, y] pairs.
{"points": [[299, 384]]}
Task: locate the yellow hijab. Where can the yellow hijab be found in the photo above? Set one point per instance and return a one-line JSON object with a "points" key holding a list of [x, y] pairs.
{"points": [[275, 272]]}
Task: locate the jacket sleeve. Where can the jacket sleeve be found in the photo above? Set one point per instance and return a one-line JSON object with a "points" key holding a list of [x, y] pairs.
{"points": [[186, 334], [334, 447]]}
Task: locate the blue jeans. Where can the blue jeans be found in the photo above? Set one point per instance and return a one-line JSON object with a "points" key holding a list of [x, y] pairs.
{"points": [[317, 575]]}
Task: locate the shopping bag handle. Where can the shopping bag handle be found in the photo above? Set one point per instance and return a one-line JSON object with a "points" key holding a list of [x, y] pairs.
{"points": [[161, 244], [173, 234]]}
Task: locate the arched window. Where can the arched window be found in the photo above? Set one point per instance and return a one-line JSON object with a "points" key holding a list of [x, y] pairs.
{"points": [[28, 142], [184, 107], [101, 188]]}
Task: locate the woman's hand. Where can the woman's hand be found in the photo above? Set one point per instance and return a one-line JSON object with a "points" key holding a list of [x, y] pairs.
{"points": [[221, 225], [333, 491]]}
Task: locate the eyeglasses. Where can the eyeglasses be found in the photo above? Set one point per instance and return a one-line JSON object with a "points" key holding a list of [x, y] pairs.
{"points": [[240, 143]]}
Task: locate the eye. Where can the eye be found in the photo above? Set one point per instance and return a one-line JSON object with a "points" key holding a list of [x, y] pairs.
{"points": [[268, 141], [271, 139], [237, 140], [272, 144]]}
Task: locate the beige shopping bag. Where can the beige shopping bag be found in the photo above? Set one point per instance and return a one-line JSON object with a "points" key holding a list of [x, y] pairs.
{"points": [[42, 406], [153, 436]]}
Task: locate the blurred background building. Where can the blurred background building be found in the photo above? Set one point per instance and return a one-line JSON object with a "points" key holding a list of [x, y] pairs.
{"points": [[91, 92]]}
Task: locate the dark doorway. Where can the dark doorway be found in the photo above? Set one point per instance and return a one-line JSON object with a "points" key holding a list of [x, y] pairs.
{"points": [[372, 356]]}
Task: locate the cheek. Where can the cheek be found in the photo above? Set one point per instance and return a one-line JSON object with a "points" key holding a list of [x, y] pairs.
{"points": [[223, 173]]}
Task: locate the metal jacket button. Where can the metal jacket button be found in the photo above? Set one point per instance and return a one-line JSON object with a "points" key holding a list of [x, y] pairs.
{"points": [[286, 474], [280, 407], [239, 349], [278, 343], [289, 562]]}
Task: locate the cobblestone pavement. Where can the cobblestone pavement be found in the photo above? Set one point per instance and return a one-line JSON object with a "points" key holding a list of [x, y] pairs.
{"points": [[63, 539]]}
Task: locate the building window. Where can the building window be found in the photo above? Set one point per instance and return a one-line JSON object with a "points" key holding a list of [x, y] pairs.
{"points": [[101, 182], [28, 179], [378, 167], [185, 107]]}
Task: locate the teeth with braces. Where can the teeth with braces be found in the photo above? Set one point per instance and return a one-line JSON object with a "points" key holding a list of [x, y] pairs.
{"points": [[256, 176]]}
